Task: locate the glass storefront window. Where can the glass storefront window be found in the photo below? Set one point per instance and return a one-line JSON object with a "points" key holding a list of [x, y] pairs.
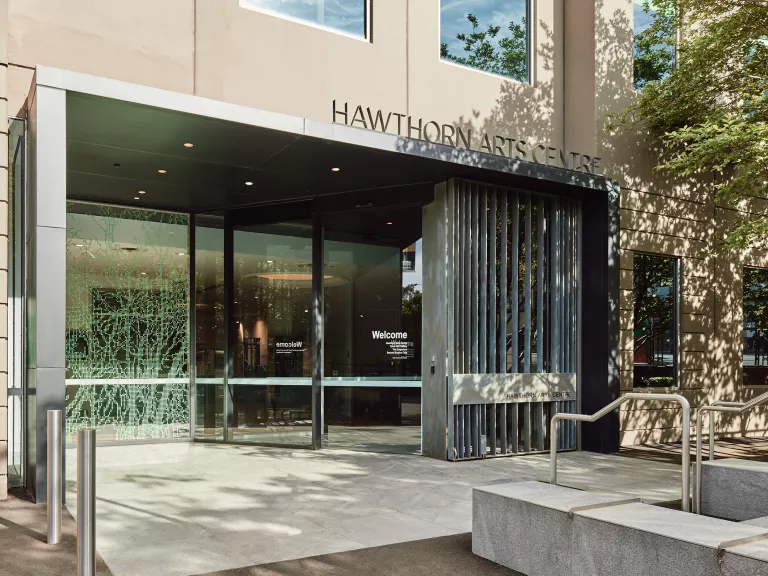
{"points": [[372, 336], [16, 366], [271, 386], [755, 358], [347, 16], [210, 338], [127, 339], [655, 321], [494, 36]]}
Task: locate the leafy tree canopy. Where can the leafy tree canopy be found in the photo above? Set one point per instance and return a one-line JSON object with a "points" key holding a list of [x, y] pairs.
{"points": [[710, 111], [484, 49]]}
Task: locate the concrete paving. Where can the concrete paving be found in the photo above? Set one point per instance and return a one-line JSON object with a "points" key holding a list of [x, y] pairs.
{"points": [[185, 509], [24, 550]]}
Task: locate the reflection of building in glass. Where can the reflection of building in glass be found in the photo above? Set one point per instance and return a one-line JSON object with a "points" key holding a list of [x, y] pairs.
{"points": [[755, 355], [655, 313]]}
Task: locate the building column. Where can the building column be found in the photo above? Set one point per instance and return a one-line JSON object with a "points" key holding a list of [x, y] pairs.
{"points": [[46, 230]]}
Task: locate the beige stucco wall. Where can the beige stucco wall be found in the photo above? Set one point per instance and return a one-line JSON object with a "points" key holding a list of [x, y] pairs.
{"points": [[660, 214], [582, 70]]}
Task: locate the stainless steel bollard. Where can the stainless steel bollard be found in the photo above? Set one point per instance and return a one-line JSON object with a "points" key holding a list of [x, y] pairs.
{"points": [[55, 473], [86, 503]]}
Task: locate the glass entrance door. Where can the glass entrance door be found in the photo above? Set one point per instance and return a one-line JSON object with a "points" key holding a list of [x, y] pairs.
{"points": [[271, 384], [253, 335], [372, 333]]}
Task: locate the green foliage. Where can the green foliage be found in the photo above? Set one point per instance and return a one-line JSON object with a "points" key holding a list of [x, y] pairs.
{"points": [[756, 297], [509, 59], [654, 310], [659, 382], [411, 302], [654, 51], [710, 113]]}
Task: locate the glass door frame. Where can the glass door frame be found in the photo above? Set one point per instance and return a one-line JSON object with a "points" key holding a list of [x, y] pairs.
{"points": [[317, 323], [315, 211]]}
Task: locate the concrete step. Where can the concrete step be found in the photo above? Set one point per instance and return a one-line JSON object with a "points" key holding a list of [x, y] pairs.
{"points": [[734, 489], [543, 530]]}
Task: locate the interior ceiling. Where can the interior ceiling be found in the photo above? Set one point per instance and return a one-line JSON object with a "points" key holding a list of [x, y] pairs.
{"points": [[115, 149]]}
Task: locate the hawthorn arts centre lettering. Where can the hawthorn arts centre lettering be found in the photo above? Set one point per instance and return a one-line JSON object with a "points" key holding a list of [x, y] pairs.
{"points": [[463, 137]]}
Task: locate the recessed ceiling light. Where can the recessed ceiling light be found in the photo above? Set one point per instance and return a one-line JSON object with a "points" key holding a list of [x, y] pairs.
{"points": [[389, 223], [270, 261], [136, 198], [142, 192], [188, 144], [161, 171], [335, 169], [306, 310], [79, 245], [249, 183]]}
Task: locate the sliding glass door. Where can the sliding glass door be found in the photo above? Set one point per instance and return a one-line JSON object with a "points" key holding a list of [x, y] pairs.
{"points": [[271, 382], [253, 335]]}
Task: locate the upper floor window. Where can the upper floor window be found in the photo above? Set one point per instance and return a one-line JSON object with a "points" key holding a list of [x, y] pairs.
{"points": [[655, 321], [655, 40], [493, 37], [346, 16], [755, 356]]}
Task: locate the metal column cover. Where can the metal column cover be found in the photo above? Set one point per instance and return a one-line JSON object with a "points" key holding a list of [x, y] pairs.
{"points": [[540, 265], [492, 296], [527, 288], [467, 220], [503, 240], [514, 262], [483, 285], [475, 273]]}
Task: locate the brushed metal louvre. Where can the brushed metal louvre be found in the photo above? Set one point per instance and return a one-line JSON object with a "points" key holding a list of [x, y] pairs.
{"points": [[515, 276]]}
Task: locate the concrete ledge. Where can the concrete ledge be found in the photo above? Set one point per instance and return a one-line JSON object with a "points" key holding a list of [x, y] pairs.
{"points": [[526, 526], [639, 539], [734, 489], [543, 530]]}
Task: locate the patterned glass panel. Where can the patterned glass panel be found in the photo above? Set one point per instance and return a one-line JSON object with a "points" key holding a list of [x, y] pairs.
{"points": [[127, 340]]}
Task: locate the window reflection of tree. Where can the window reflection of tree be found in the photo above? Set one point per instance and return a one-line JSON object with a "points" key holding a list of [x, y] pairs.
{"points": [[755, 326], [654, 316], [484, 49], [654, 49]]}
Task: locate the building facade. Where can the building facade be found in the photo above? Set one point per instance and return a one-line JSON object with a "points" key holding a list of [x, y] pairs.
{"points": [[179, 173]]}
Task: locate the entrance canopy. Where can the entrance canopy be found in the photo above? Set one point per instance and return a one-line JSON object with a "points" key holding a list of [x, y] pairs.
{"points": [[119, 136], [266, 201]]}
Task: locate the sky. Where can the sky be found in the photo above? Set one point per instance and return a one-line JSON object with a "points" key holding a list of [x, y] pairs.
{"points": [[345, 15], [642, 19], [453, 18]]}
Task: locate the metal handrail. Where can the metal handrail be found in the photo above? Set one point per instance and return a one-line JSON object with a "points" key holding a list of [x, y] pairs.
{"points": [[686, 472], [717, 406]]}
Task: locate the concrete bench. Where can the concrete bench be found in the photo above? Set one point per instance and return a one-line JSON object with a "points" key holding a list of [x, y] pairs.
{"points": [[734, 489], [526, 526], [539, 529]]}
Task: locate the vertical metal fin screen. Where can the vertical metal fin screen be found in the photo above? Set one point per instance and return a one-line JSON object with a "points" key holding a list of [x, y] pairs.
{"points": [[515, 303]]}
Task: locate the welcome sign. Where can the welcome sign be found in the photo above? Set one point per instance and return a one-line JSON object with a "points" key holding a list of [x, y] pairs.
{"points": [[463, 138]]}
